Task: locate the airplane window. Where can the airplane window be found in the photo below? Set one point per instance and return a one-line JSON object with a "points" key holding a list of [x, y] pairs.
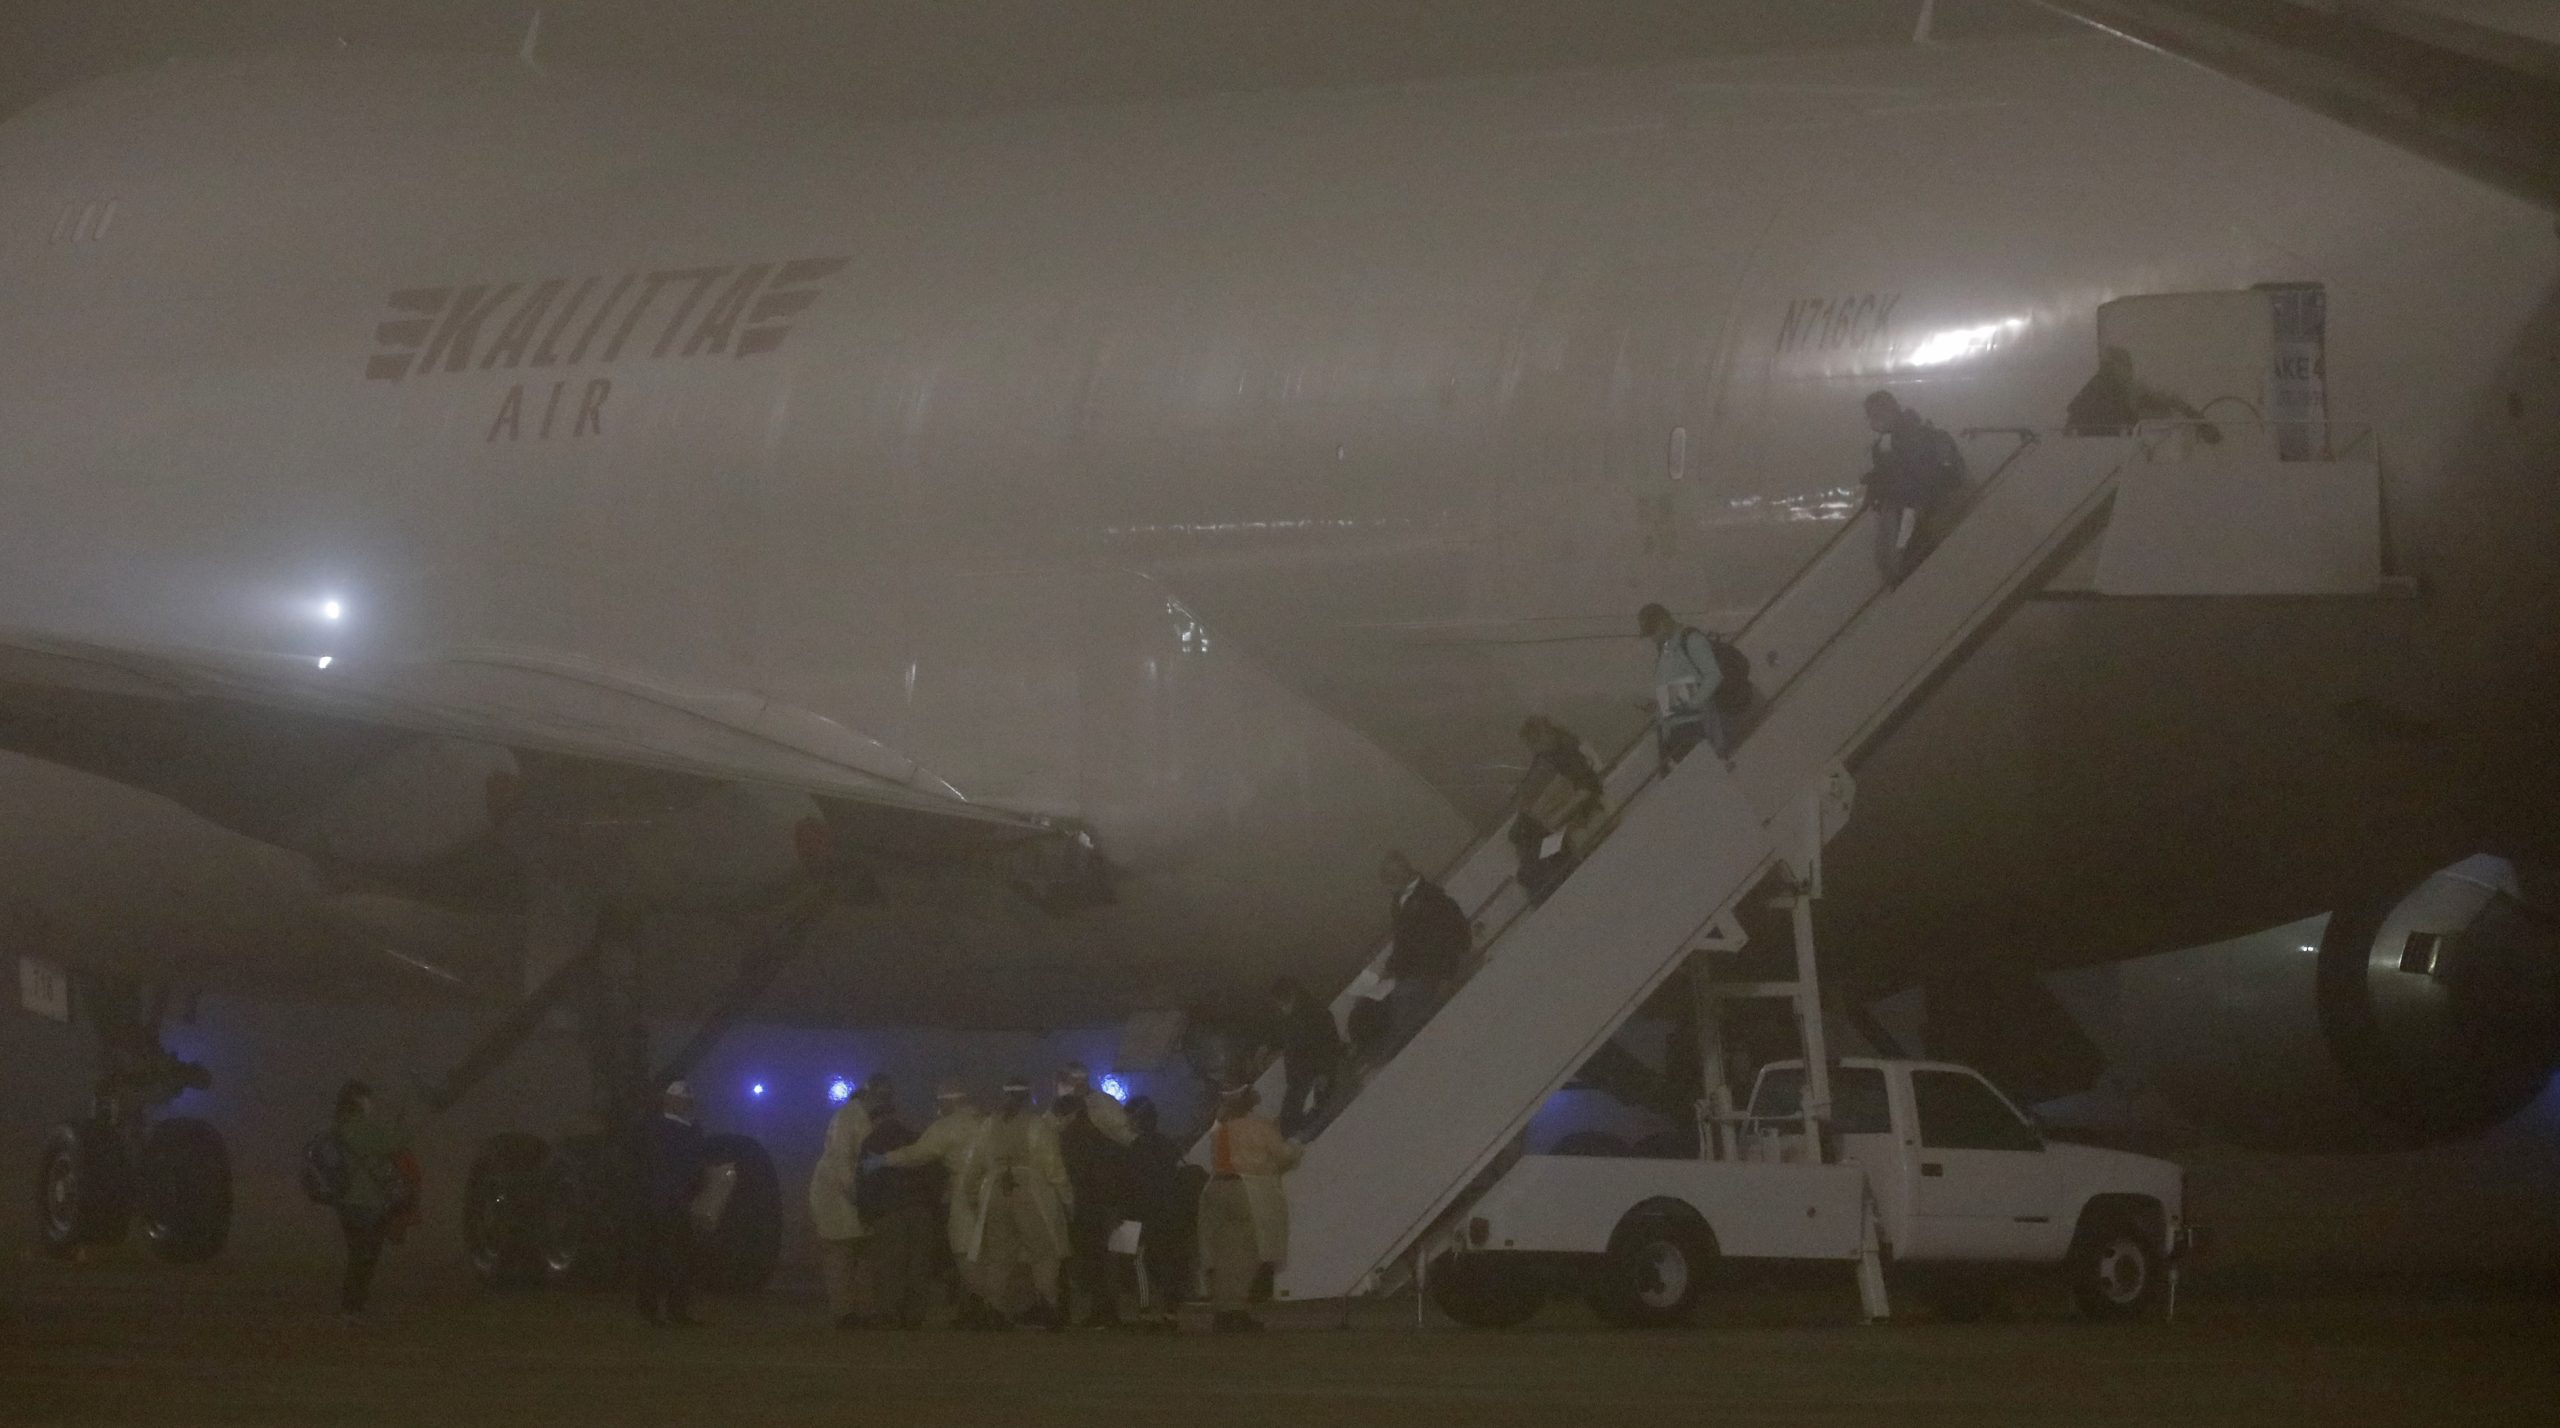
{"points": [[1857, 1098], [1959, 1112]]}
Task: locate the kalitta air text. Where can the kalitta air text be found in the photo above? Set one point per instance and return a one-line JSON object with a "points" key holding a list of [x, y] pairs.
{"points": [[715, 311]]}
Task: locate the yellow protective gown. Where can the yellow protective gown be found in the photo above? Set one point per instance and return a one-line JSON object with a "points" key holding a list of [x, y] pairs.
{"points": [[948, 1142], [1039, 1171], [831, 1209], [1261, 1155]]}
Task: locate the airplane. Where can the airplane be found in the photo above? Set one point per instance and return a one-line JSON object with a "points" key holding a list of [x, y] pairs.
{"points": [[1033, 565]]}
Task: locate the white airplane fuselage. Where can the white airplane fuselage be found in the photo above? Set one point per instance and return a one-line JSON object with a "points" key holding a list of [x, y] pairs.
{"points": [[1232, 475]]}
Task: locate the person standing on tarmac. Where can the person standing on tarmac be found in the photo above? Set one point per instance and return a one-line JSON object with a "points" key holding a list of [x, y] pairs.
{"points": [[374, 1191], [1018, 1197], [833, 1212], [1165, 1196], [672, 1165], [1098, 1174], [946, 1146], [1244, 1213], [897, 1206], [1075, 1079]]}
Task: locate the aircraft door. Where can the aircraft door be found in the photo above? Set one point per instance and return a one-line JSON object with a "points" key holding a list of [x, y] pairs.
{"points": [[2252, 358]]}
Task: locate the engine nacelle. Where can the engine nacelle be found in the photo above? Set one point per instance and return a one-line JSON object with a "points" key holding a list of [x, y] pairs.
{"points": [[2428, 1019]]}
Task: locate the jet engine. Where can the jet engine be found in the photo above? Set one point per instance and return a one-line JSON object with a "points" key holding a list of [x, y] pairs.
{"points": [[2404, 1023]]}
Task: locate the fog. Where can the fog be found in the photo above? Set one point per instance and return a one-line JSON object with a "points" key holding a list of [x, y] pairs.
{"points": [[906, 58]]}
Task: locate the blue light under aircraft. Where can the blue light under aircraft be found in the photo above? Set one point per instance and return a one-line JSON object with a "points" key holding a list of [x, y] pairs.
{"points": [[839, 1090], [1115, 1088]]}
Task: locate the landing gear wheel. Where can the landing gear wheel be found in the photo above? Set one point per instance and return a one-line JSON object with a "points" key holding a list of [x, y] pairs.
{"points": [[2115, 1270], [739, 1254], [582, 1225], [1482, 1292], [1655, 1269], [502, 1211], [84, 1187], [183, 1191]]}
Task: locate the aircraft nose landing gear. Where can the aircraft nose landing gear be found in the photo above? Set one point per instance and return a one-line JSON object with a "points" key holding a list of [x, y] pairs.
{"points": [[97, 1174]]}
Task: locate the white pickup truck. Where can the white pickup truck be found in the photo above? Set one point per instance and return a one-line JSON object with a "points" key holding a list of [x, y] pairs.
{"points": [[1966, 1192]]}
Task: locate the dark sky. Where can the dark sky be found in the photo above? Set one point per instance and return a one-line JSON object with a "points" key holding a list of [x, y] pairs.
{"points": [[900, 58]]}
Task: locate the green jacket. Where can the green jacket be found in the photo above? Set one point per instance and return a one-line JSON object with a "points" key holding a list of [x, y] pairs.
{"points": [[371, 1179]]}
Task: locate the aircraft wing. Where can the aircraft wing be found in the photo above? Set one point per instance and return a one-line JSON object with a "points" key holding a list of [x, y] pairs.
{"points": [[241, 737], [2481, 100]]}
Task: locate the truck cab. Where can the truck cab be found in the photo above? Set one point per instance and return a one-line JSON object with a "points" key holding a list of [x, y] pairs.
{"points": [[1962, 1177]]}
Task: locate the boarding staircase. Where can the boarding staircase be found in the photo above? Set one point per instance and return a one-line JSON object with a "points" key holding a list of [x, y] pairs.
{"points": [[1836, 657]]}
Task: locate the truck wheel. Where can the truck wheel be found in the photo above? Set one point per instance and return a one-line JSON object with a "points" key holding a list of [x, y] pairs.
{"points": [[2115, 1269], [184, 1191], [1482, 1292], [1655, 1267]]}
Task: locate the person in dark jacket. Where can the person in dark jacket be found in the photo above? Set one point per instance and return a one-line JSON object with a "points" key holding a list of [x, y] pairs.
{"points": [[1164, 1196], [1915, 473], [1428, 945], [375, 1191], [1310, 1053], [1556, 805], [901, 1208], [1098, 1185], [671, 1166], [2114, 400]]}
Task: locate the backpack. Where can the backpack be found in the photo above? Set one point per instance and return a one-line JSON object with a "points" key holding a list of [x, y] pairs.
{"points": [[1733, 670], [1946, 464], [1733, 675], [326, 1168]]}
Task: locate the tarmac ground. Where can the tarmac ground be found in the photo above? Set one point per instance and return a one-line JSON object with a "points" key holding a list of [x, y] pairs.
{"points": [[121, 1341]]}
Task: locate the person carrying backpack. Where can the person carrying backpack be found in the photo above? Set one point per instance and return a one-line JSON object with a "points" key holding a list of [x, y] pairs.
{"points": [[1700, 684], [354, 1168], [1915, 473]]}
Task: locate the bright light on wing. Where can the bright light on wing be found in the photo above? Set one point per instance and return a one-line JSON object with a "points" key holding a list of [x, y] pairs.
{"points": [[1115, 1088], [839, 1090]]}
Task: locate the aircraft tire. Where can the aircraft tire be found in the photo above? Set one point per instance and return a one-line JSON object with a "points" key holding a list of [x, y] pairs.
{"points": [[739, 1254], [183, 1191], [584, 1230], [84, 1187], [502, 1211]]}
